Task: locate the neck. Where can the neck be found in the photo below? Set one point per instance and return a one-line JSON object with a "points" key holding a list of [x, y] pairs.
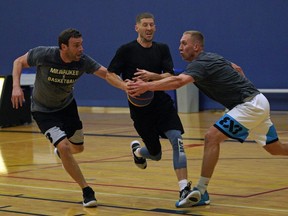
{"points": [[143, 43], [64, 58]]}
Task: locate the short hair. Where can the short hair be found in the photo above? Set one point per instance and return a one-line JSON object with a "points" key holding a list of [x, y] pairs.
{"points": [[144, 15], [196, 36], [66, 35]]}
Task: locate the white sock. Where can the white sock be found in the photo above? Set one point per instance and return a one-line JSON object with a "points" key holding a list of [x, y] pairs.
{"points": [[182, 184], [203, 184]]}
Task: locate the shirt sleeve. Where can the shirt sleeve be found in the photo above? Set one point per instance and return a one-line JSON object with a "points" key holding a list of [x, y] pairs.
{"points": [[36, 56], [91, 65], [196, 70], [117, 63], [167, 60]]}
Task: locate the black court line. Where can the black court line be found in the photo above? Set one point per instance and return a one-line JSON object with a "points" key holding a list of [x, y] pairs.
{"points": [[5, 206], [3, 209], [119, 135], [155, 210], [23, 213]]}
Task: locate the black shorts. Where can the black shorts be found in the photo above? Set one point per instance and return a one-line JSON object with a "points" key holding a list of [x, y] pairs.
{"points": [[153, 121], [66, 119]]}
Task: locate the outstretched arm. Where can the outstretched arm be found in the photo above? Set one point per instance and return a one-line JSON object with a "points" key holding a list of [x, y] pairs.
{"points": [[112, 78], [101, 72], [116, 81], [150, 76], [169, 83]]}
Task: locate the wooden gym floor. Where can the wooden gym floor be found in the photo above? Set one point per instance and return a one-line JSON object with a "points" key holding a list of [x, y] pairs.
{"points": [[247, 180]]}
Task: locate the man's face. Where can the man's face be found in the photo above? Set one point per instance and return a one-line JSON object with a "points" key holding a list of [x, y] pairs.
{"points": [[146, 29], [187, 48], [74, 50]]}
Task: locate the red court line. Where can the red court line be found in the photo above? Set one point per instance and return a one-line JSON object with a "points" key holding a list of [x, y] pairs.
{"points": [[251, 195], [96, 184]]}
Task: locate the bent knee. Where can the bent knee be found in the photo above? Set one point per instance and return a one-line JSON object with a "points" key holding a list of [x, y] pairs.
{"points": [[209, 138], [65, 146], [77, 148], [214, 136]]}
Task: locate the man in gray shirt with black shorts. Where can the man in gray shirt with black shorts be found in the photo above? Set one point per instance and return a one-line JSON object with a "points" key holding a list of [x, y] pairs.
{"points": [[53, 105]]}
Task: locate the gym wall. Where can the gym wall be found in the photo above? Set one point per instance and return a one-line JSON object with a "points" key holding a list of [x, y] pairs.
{"points": [[251, 33]]}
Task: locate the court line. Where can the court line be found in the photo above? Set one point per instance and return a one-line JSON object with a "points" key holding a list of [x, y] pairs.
{"points": [[130, 196], [77, 191], [96, 184], [4, 209], [251, 207], [146, 188], [131, 187], [23, 213], [159, 210], [107, 135]]}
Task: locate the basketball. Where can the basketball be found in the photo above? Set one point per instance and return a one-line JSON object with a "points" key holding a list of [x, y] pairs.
{"points": [[142, 100]]}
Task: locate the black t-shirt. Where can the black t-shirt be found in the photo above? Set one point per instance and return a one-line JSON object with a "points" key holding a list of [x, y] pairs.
{"points": [[131, 56], [160, 114], [215, 76], [156, 58]]}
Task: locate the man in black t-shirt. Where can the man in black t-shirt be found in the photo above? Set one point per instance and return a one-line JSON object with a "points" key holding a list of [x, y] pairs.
{"points": [[148, 60]]}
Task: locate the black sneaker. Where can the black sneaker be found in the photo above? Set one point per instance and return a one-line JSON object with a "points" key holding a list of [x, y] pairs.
{"points": [[139, 161], [89, 198], [188, 198]]}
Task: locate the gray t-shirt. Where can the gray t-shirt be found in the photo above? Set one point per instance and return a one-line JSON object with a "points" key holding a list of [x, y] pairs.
{"points": [[53, 88], [215, 77]]}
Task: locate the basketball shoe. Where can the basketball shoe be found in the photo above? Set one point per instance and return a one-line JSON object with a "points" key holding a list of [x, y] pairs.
{"points": [[205, 200], [188, 197], [139, 161], [89, 199]]}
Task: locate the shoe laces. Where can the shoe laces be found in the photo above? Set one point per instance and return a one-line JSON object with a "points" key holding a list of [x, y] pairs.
{"points": [[185, 191], [189, 185]]}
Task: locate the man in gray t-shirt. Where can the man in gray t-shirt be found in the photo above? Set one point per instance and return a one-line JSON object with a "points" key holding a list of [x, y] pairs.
{"points": [[53, 105], [53, 89], [224, 82]]}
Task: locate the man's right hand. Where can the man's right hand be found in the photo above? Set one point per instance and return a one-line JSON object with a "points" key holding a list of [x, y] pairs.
{"points": [[17, 97]]}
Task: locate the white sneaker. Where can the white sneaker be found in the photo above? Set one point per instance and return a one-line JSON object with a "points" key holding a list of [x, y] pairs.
{"points": [[139, 161]]}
